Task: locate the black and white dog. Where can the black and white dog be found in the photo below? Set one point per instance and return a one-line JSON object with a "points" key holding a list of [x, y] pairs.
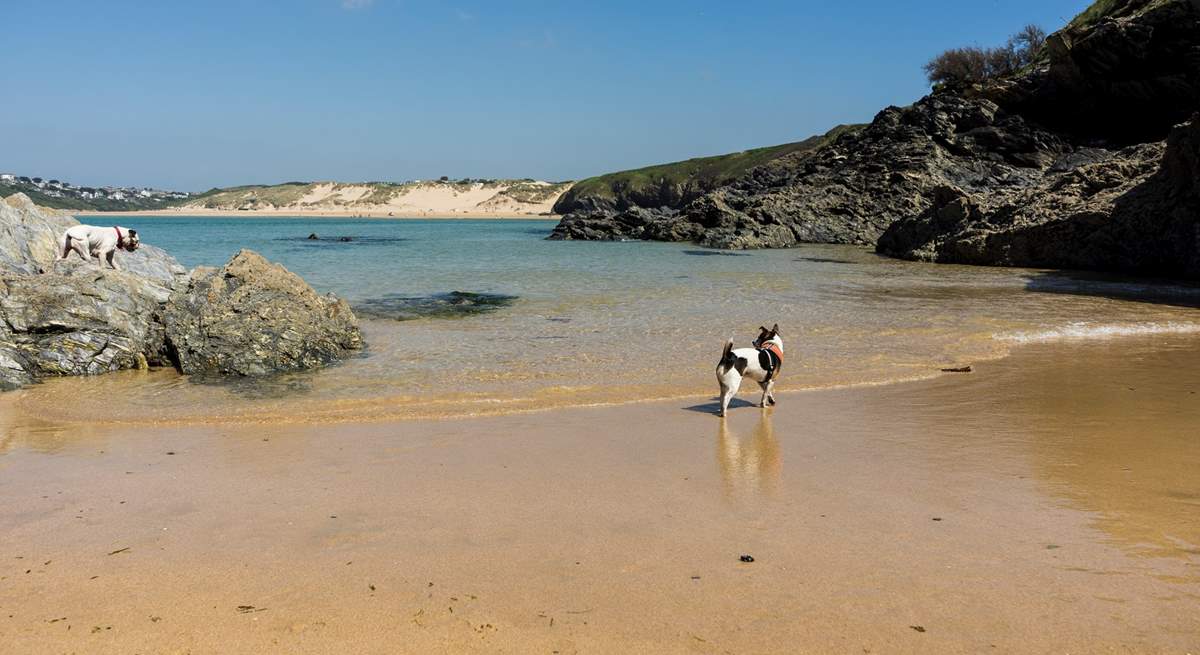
{"points": [[99, 242], [761, 363]]}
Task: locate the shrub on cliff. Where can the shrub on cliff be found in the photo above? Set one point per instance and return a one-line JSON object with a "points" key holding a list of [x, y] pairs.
{"points": [[971, 64]]}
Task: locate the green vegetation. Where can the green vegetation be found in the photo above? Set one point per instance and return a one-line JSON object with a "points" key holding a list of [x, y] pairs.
{"points": [[971, 64], [75, 202], [534, 192], [251, 195], [693, 176], [1102, 9]]}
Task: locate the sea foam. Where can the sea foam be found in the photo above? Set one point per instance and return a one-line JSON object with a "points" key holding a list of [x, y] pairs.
{"points": [[1099, 331]]}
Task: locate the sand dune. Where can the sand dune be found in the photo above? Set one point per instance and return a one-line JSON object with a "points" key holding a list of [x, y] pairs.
{"points": [[466, 198]]}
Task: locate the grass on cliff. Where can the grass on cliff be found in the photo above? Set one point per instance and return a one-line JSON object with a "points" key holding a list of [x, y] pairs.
{"points": [[702, 172], [1102, 9]]}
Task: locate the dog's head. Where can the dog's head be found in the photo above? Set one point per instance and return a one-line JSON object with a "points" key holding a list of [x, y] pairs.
{"points": [[131, 240], [766, 336]]}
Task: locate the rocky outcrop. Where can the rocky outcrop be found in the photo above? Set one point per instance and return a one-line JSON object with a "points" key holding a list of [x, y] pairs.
{"points": [[77, 318], [77, 324], [1136, 211], [1065, 164], [850, 190], [646, 203], [252, 317]]}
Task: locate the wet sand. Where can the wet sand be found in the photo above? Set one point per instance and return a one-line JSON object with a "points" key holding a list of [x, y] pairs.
{"points": [[1048, 502]]}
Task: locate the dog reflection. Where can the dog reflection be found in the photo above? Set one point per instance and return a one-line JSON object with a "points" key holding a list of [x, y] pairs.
{"points": [[750, 465]]}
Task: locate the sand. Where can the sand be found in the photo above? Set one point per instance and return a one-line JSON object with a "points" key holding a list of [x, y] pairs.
{"points": [[499, 214], [1045, 503], [416, 200]]}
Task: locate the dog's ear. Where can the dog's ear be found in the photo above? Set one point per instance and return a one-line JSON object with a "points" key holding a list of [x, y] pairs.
{"points": [[763, 329], [133, 233], [775, 329]]}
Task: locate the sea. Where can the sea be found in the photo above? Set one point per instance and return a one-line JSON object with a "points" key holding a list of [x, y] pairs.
{"points": [[478, 317]]}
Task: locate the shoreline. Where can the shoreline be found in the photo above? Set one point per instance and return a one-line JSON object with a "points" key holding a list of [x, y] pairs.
{"points": [[431, 215], [1039, 504], [375, 410]]}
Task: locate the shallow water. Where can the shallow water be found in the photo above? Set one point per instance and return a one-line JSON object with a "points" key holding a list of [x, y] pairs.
{"points": [[602, 322]]}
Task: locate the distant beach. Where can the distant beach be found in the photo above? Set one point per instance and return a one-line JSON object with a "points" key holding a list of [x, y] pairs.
{"points": [[313, 213]]}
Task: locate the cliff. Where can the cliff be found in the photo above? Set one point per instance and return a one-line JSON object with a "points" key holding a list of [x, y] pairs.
{"points": [[1066, 163]]}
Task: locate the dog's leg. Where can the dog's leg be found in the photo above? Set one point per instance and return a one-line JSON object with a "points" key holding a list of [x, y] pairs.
{"points": [[766, 386], [64, 247], [80, 247], [729, 388], [770, 395], [111, 256]]}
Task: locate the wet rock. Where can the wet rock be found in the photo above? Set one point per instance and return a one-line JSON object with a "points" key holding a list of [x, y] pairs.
{"points": [[253, 317]]}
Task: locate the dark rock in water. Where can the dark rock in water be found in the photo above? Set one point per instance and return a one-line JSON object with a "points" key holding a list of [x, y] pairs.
{"points": [[313, 237], [345, 239], [714, 253], [455, 304], [252, 317]]}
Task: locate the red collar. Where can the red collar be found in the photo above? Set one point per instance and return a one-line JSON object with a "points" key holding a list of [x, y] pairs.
{"points": [[118, 235]]}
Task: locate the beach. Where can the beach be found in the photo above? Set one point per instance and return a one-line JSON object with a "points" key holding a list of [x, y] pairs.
{"points": [[1044, 503], [429, 214]]}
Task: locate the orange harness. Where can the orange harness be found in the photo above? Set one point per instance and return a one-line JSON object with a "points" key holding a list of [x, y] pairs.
{"points": [[774, 348]]}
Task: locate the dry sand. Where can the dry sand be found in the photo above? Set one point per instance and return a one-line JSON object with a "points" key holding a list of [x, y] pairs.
{"points": [[310, 213], [1047, 503]]}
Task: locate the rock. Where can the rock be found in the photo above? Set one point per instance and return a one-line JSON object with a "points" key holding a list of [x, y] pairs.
{"points": [[29, 235], [1136, 211], [77, 325], [313, 236], [252, 317], [79, 318]]}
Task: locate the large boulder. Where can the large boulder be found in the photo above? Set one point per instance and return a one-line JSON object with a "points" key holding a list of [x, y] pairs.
{"points": [[81, 324], [252, 317], [29, 234], [79, 318], [73, 317]]}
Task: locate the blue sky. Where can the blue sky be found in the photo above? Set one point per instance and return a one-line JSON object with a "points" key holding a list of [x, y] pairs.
{"points": [[190, 95]]}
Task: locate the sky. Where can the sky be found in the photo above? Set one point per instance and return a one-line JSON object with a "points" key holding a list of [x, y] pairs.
{"points": [[192, 95]]}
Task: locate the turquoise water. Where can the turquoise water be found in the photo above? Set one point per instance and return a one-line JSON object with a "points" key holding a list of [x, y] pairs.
{"points": [[607, 322]]}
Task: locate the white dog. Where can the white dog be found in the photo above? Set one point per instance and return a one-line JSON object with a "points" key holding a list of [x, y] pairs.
{"points": [[761, 363], [99, 242]]}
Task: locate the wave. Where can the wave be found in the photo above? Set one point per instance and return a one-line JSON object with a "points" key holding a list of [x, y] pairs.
{"points": [[1100, 331]]}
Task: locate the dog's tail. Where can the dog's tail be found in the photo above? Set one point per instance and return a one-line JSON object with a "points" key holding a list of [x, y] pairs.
{"points": [[727, 354]]}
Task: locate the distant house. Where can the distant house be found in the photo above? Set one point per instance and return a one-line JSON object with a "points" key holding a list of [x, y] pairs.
{"points": [[7, 177]]}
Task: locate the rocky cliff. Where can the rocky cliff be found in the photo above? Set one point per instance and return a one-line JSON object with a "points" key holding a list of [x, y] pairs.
{"points": [[76, 318], [1067, 163]]}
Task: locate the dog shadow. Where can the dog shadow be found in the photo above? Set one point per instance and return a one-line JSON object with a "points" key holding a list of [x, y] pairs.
{"points": [[715, 406]]}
